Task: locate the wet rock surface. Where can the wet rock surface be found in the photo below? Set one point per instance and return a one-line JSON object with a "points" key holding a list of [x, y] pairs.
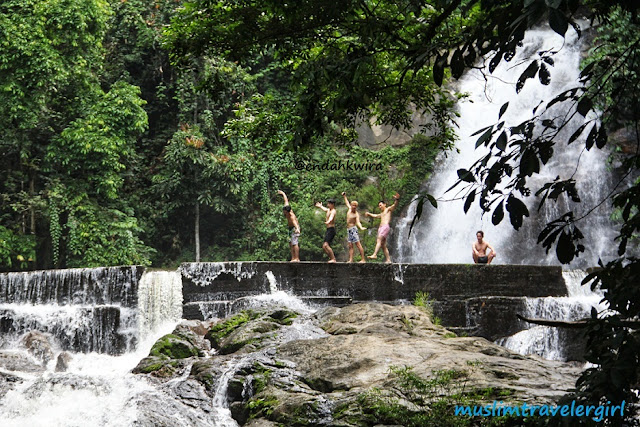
{"points": [[276, 366]]}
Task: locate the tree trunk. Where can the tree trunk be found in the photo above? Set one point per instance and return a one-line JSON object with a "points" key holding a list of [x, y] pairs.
{"points": [[197, 231], [32, 210]]}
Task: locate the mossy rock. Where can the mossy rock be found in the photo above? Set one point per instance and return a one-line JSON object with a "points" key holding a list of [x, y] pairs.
{"points": [[223, 329], [283, 317], [235, 346], [158, 366], [174, 347], [206, 371]]}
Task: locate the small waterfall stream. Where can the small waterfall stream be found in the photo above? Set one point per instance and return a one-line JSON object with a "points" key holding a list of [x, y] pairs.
{"points": [[549, 342], [96, 386]]}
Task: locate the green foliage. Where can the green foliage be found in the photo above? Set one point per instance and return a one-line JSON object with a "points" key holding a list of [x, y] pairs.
{"points": [[17, 251], [98, 145], [343, 59], [49, 49], [89, 158]]}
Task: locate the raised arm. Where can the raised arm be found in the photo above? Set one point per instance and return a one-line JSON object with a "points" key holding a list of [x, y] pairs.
{"points": [[395, 202], [346, 201], [319, 205], [286, 200]]}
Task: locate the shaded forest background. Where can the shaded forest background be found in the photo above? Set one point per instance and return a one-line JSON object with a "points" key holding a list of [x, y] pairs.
{"points": [[114, 154]]}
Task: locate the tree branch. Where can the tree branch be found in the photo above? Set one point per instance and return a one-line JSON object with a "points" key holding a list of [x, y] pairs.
{"points": [[575, 324]]}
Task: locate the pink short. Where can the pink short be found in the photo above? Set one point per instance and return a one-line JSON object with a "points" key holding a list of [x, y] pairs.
{"points": [[383, 231]]}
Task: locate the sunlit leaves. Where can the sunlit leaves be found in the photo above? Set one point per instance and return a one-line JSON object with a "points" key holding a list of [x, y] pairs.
{"points": [[97, 147]]}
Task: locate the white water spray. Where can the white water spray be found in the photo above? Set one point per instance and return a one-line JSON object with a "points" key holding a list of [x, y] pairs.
{"points": [[546, 341], [95, 389]]}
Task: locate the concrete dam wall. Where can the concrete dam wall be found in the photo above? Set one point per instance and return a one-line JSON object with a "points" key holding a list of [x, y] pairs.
{"points": [[479, 300], [105, 309]]}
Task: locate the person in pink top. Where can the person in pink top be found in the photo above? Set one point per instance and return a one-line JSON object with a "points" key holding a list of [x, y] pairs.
{"points": [[384, 229]]}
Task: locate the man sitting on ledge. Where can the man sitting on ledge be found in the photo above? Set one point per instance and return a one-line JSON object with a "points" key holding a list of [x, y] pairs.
{"points": [[479, 250]]}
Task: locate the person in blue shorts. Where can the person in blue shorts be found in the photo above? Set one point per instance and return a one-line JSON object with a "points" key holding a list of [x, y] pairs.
{"points": [[294, 228], [353, 223]]}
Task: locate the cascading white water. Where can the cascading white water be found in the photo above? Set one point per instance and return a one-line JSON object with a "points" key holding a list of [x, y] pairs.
{"points": [[95, 389], [545, 341], [90, 309], [300, 329], [159, 300], [445, 234]]}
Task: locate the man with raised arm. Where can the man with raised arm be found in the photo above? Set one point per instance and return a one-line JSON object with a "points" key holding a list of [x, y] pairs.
{"points": [[353, 223], [479, 250], [384, 229], [330, 222], [294, 228]]}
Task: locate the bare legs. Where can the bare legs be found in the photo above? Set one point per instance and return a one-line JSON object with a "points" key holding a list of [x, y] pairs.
{"points": [[360, 248], [381, 242], [295, 253], [327, 250], [490, 256]]}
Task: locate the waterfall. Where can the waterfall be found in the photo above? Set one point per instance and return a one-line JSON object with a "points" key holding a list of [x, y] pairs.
{"points": [[445, 234], [159, 300], [106, 320], [549, 342], [84, 310]]}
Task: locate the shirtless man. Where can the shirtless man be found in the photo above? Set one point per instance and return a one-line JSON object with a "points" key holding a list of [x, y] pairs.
{"points": [[384, 229], [479, 250], [294, 228], [330, 222], [353, 223]]}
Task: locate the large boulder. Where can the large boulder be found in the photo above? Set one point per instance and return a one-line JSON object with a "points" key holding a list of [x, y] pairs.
{"points": [[348, 364]]}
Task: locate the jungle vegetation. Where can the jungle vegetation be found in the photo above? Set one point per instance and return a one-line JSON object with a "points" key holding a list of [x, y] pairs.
{"points": [[148, 131]]}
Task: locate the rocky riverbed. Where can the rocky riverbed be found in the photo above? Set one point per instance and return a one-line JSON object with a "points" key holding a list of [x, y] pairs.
{"points": [[363, 364]]}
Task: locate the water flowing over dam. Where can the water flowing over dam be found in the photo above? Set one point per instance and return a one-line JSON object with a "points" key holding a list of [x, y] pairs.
{"points": [[97, 351], [69, 339]]}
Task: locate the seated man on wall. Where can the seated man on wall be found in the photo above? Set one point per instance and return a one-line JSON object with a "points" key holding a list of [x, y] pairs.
{"points": [[479, 250]]}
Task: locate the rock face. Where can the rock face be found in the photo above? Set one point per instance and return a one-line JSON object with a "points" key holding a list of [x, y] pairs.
{"points": [[340, 366], [38, 345]]}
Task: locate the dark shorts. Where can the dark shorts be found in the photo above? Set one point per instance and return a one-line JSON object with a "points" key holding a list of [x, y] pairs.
{"points": [[330, 234], [483, 259]]}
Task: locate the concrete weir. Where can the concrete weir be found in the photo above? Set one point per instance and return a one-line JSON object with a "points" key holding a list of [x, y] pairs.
{"points": [[479, 300]]}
